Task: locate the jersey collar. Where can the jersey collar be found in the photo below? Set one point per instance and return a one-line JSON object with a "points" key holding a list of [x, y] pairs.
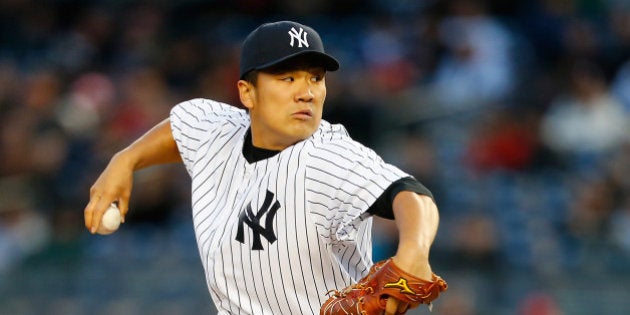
{"points": [[253, 154]]}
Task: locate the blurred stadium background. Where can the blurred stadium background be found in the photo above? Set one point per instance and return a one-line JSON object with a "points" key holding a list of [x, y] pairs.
{"points": [[515, 114]]}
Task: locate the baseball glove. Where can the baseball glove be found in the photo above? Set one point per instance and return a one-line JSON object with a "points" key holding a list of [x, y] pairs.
{"points": [[369, 295]]}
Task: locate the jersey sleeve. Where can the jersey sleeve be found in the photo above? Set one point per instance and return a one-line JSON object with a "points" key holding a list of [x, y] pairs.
{"points": [[344, 179], [383, 206], [195, 121]]}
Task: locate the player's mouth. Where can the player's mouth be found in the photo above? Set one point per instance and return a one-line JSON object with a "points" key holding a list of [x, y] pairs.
{"points": [[303, 114]]}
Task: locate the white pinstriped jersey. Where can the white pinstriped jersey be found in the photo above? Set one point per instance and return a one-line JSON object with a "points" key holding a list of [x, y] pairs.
{"points": [[275, 235]]}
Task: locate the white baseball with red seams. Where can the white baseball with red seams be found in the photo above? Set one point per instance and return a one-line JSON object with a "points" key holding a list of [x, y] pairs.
{"points": [[110, 221]]}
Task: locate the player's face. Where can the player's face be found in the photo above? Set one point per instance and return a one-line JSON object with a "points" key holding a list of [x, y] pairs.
{"points": [[285, 106]]}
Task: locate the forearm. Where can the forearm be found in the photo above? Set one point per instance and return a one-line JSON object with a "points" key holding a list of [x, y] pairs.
{"points": [[417, 220], [157, 146]]}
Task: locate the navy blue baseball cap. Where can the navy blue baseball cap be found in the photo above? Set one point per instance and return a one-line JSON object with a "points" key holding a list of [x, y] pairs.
{"points": [[273, 43]]}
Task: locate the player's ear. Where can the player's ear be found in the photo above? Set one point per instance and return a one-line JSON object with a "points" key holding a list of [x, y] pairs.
{"points": [[246, 92]]}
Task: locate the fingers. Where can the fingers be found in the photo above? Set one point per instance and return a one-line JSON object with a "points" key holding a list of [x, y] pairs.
{"points": [[391, 307], [114, 184], [394, 307], [87, 214], [123, 207], [98, 204], [94, 212]]}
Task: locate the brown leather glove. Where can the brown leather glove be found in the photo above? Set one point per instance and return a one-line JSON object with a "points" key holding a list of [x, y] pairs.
{"points": [[369, 295]]}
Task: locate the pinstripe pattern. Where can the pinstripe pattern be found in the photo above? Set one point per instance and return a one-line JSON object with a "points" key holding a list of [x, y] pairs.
{"points": [[323, 184]]}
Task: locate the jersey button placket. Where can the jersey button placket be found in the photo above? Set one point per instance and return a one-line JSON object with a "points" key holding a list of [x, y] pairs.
{"points": [[247, 174], [248, 171]]}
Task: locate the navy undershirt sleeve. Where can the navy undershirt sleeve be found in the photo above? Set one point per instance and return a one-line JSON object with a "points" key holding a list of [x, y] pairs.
{"points": [[382, 207]]}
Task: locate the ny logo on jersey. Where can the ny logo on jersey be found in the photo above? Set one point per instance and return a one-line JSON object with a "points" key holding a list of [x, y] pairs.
{"points": [[299, 36], [252, 220]]}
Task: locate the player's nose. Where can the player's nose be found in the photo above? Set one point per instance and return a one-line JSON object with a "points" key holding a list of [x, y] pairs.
{"points": [[305, 93], [306, 96]]}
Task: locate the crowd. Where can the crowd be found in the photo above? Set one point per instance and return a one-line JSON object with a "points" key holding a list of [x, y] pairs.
{"points": [[516, 115]]}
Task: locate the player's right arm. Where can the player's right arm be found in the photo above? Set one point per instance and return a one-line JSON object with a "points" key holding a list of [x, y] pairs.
{"points": [[157, 146]]}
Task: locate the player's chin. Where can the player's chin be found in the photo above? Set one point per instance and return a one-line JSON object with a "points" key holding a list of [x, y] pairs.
{"points": [[304, 130]]}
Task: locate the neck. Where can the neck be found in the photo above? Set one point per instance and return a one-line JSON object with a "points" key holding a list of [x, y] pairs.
{"points": [[267, 140]]}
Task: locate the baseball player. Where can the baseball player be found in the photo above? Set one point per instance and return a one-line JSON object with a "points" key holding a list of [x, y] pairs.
{"points": [[281, 200]]}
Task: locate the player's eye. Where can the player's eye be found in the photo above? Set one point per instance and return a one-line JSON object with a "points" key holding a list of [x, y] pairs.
{"points": [[287, 79], [317, 78]]}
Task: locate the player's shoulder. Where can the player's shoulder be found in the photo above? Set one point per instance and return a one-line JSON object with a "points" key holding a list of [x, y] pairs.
{"points": [[327, 133], [206, 111], [208, 106], [207, 116], [335, 137]]}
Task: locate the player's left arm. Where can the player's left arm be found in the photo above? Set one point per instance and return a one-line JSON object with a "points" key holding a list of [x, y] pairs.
{"points": [[417, 220]]}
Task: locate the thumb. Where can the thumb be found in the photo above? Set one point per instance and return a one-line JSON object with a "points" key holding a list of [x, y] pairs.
{"points": [[123, 207], [391, 307], [395, 306]]}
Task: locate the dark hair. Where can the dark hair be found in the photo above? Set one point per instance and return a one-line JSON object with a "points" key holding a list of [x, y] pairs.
{"points": [[295, 63], [251, 77]]}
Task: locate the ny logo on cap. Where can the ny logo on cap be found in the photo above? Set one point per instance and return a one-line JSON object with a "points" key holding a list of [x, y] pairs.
{"points": [[299, 36]]}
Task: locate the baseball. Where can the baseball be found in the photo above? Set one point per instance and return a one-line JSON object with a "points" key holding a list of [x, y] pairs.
{"points": [[110, 221]]}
